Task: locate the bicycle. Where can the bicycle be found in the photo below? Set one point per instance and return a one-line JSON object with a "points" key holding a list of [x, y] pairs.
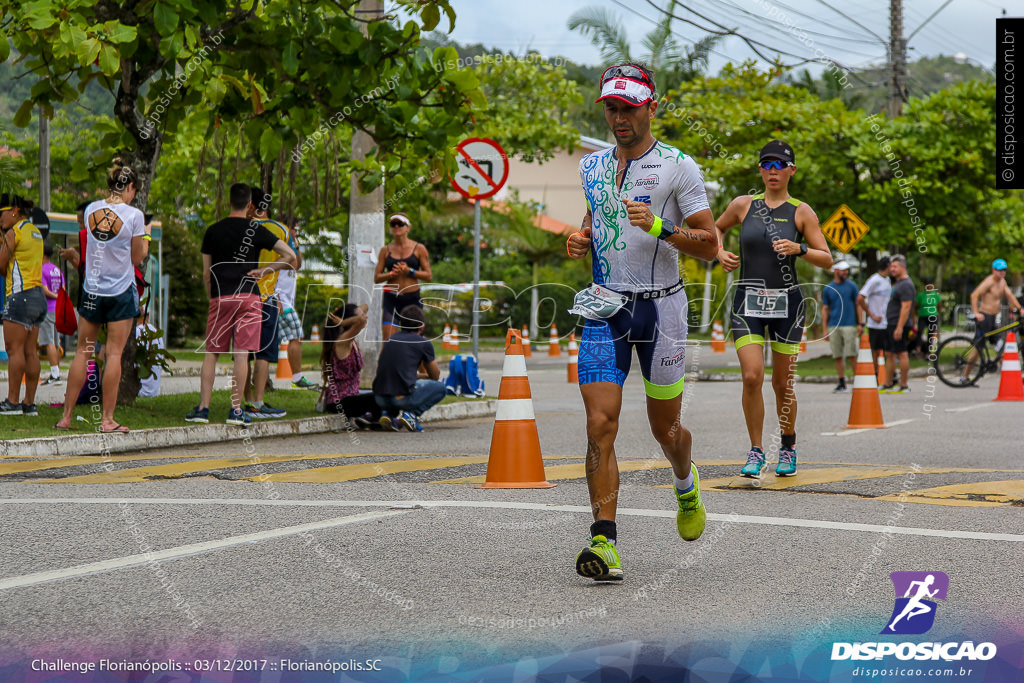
{"points": [[953, 356]]}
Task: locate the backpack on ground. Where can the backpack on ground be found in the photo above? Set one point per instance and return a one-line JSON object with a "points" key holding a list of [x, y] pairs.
{"points": [[464, 377]]}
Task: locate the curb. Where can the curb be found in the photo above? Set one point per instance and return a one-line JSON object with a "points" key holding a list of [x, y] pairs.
{"points": [[824, 379], [167, 437], [173, 372]]}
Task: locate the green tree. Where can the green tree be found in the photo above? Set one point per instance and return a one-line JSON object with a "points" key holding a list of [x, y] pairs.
{"points": [[516, 230]]}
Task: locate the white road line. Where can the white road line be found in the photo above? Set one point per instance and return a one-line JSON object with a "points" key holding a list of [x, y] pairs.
{"points": [[508, 505], [186, 550], [966, 408], [848, 432]]}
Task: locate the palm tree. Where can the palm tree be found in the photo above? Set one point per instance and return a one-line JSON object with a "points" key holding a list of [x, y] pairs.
{"points": [[671, 61]]}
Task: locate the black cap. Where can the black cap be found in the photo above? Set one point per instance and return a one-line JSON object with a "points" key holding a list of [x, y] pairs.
{"points": [[777, 149]]}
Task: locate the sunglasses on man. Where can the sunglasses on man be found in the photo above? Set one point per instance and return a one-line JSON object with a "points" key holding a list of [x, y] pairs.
{"points": [[625, 71], [775, 165], [396, 224]]}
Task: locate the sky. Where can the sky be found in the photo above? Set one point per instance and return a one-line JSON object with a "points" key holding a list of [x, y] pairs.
{"points": [[965, 27]]}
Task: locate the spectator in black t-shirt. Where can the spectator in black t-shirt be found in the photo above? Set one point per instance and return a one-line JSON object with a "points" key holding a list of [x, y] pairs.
{"points": [[230, 254], [407, 383], [899, 324]]}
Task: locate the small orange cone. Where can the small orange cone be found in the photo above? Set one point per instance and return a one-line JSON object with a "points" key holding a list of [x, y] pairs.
{"points": [[454, 346], [446, 340], [865, 407], [883, 374], [717, 337], [803, 343], [554, 351], [574, 362], [515, 460], [315, 336], [526, 343], [284, 370], [1011, 385]]}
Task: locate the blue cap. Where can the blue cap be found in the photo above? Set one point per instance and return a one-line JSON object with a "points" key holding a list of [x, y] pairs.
{"points": [[999, 264]]}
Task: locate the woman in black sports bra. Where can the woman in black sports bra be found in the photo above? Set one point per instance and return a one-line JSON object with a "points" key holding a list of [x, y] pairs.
{"points": [[402, 265]]}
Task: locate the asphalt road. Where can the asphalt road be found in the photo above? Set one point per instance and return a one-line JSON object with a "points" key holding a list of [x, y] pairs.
{"points": [[374, 545]]}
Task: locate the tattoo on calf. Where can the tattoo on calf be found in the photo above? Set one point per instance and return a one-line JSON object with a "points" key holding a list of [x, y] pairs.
{"points": [[593, 456]]}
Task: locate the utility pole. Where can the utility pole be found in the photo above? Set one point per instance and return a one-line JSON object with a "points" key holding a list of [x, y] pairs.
{"points": [[897, 60], [366, 234], [44, 161]]}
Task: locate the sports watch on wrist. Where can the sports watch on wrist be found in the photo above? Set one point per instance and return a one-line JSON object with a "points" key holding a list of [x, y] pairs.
{"points": [[803, 250]]}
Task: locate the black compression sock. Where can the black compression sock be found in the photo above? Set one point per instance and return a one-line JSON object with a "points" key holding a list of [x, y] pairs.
{"points": [[603, 527], [788, 440]]}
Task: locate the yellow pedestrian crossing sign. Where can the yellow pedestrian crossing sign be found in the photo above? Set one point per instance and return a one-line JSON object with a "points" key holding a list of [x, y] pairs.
{"points": [[844, 229]]}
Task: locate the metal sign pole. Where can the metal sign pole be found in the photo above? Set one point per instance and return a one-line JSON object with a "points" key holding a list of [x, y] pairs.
{"points": [[476, 279]]}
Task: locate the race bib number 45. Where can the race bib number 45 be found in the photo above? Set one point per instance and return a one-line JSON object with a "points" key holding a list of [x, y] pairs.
{"points": [[597, 302], [766, 303]]}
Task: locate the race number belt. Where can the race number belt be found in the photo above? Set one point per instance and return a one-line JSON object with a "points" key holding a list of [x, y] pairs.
{"points": [[766, 303], [654, 293]]}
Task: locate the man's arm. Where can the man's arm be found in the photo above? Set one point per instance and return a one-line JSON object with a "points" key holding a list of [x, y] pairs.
{"points": [[699, 239], [285, 259], [1009, 296], [72, 256], [207, 279], [433, 372], [578, 244], [978, 292], [904, 315]]}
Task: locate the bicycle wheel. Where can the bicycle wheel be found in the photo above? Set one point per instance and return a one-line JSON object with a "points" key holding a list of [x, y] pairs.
{"points": [[953, 361]]}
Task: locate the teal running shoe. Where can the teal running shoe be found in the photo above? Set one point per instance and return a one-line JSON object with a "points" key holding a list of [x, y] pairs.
{"points": [[756, 463], [787, 462], [692, 515], [600, 561]]}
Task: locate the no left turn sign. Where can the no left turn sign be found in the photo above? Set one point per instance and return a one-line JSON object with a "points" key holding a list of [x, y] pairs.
{"points": [[483, 168]]}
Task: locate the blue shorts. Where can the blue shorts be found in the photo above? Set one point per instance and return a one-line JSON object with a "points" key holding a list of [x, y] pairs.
{"points": [[268, 332], [784, 334], [110, 309], [656, 328], [27, 308]]}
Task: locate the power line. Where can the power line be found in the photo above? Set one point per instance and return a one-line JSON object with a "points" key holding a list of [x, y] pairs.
{"points": [[854, 21], [792, 27], [930, 17]]}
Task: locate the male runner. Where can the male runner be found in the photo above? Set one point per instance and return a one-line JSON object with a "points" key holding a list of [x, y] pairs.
{"points": [[638, 194], [986, 300]]}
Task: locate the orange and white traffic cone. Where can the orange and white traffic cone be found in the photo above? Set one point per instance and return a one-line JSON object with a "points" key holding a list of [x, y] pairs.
{"points": [[717, 337], [526, 343], [574, 362], [865, 407], [554, 351], [455, 339], [446, 340], [883, 373], [1011, 386], [515, 461], [284, 369], [803, 342], [315, 336]]}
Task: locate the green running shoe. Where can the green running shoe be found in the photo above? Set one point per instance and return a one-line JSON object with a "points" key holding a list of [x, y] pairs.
{"points": [[600, 561], [692, 516], [756, 463], [787, 462]]}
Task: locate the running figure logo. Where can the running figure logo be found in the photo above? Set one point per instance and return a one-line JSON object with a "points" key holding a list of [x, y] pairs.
{"points": [[914, 613]]}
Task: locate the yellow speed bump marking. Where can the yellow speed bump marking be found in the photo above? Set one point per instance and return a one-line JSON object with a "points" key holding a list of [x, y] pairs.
{"points": [[322, 475], [975, 494], [177, 469], [804, 477], [574, 471], [32, 465]]}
